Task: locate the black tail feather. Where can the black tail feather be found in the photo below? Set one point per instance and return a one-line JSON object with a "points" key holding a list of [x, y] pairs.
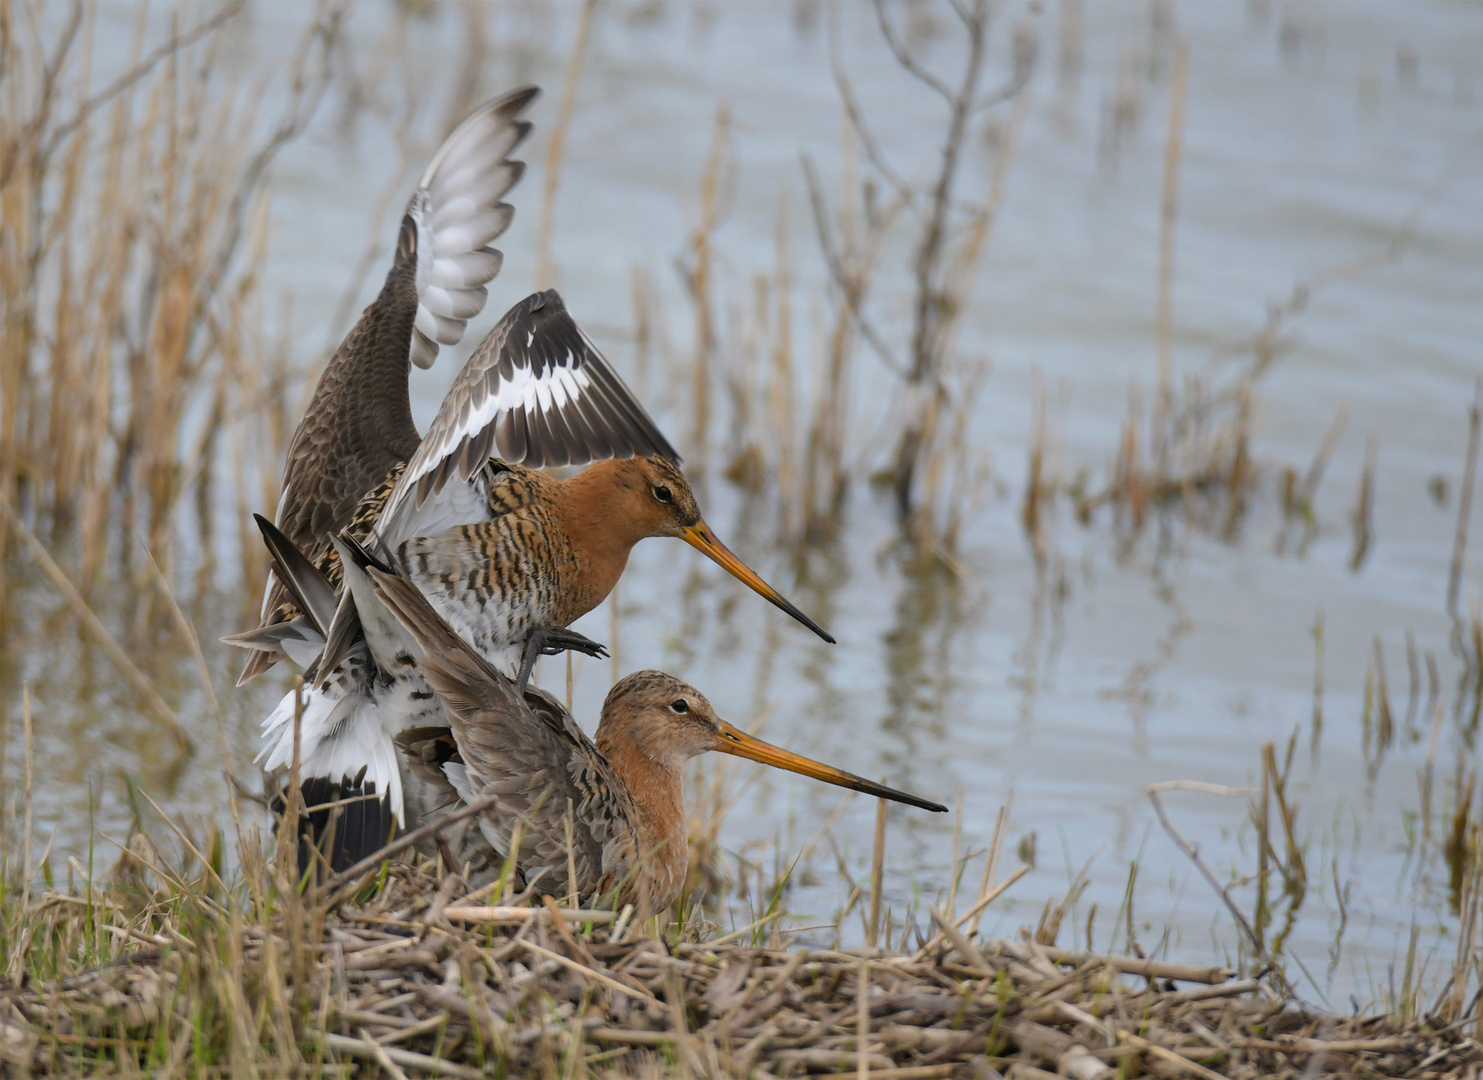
{"points": [[345, 823]]}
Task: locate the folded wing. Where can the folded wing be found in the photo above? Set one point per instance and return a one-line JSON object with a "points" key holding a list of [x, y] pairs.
{"points": [[536, 759]]}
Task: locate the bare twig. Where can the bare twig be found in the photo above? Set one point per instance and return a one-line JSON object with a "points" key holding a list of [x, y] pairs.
{"points": [[1194, 857], [95, 626], [906, 60], [176, 44]]}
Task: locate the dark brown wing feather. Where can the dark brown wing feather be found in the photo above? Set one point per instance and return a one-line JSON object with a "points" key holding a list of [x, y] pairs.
{"points": [[327, 562], [536, 392], [357, 429], [359, 422]]}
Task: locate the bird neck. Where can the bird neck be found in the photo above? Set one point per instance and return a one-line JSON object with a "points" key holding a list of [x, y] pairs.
{"points": [[595, 510], [656, 789]]}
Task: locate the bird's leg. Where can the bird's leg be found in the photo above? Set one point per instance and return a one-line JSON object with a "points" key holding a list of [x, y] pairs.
{"points": [[548, 641]]}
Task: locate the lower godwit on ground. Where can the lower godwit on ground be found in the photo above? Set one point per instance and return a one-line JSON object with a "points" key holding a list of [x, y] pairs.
{"points": [[611, 815]]}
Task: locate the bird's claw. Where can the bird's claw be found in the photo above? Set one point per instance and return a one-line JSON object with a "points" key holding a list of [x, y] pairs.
{"points": [[558, 639], [550, 640]]}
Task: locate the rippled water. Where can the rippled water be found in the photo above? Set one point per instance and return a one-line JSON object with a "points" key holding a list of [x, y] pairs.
{"points": [[1314, 134]]}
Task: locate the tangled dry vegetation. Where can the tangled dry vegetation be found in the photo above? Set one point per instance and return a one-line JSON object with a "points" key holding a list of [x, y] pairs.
{"points": [[403, 971]]}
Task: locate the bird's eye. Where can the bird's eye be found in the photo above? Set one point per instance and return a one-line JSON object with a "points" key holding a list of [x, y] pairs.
{"points": [[680, 705], [663, 494]]}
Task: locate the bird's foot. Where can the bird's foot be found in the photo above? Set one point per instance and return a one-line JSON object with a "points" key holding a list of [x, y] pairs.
{"points": [[550, 640]]}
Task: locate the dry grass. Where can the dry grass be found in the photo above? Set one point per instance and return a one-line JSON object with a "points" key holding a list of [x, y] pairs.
{"points": [[181, 968]]}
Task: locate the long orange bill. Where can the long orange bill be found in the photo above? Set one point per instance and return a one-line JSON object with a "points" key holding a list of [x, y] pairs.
{"points": [[740, 744], [700, 537]]}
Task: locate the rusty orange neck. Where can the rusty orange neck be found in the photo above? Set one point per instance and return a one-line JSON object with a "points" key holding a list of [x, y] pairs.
{"points": [[657, 791], [603, 512]]}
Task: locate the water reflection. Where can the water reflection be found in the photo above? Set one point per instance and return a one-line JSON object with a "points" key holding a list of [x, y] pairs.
{"points": [[932, 612]]}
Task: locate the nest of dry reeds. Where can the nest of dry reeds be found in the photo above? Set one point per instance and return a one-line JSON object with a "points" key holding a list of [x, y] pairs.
{"points": [[420, 981]]}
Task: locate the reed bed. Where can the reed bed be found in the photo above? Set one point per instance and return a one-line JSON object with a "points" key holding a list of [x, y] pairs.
{"points": [[137, 379], [171, 972]]}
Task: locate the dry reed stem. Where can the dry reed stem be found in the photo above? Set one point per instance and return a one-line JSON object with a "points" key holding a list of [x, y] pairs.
{"points": [[877, 875], [545, 267], [84, 614], [698, 275], [1464, 505], [131, 258], [1362, 518], [1168, 216]]}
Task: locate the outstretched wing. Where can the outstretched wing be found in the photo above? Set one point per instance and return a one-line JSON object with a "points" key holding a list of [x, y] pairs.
{"points": [[358, 427], [458, 212], [536, 392]]}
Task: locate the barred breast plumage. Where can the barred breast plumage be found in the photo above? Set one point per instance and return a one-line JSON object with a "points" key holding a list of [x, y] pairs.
{"points": [[497, 580]]}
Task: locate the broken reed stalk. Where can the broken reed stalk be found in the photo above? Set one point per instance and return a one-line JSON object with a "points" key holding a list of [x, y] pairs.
{"points": [[698, 279], [783, 389], [1363, 516], [1308, 490], [545, 269], [877, 876], [1036, 487], [1169, 213], [991, 862], [28, 834], [1316, 737], [1261, 818], [111, 648]]}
